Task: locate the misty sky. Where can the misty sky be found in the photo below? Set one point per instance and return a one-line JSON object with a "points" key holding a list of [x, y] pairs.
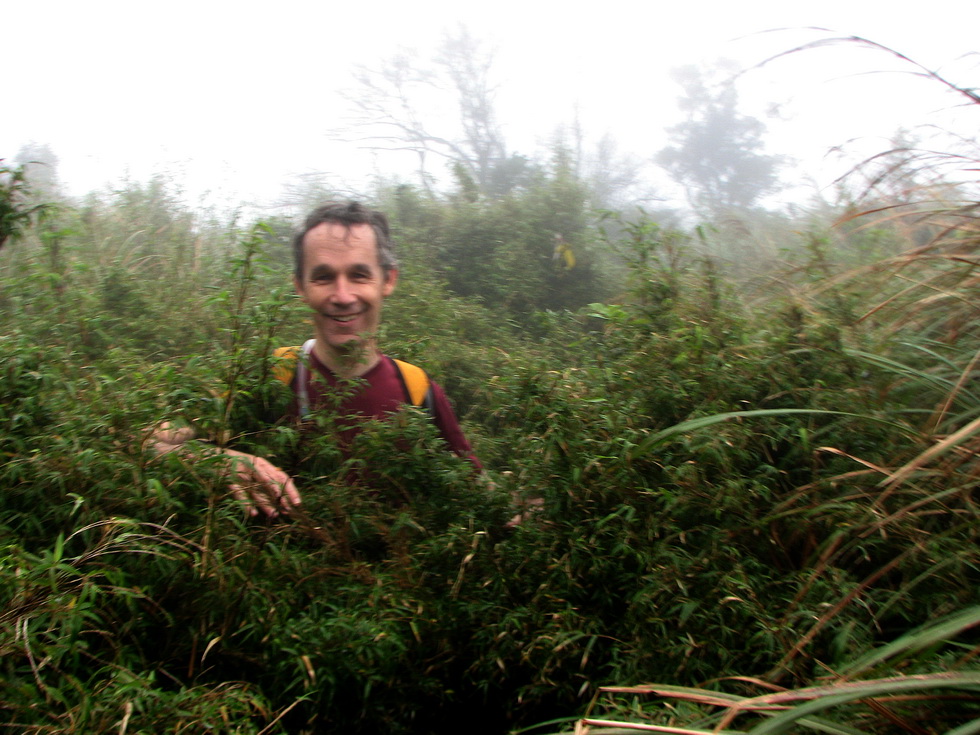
{"points": [[235, 99]]}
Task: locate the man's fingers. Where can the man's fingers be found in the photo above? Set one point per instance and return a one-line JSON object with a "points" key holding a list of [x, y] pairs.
{"points": [[527, 509], [292, 495], [265, 499], [264, 486], [278, 482], [242, 497]]}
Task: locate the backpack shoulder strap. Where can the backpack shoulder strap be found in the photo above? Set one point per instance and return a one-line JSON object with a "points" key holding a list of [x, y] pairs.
{"points": [[285, 366], [290, 368], [417, 384]]}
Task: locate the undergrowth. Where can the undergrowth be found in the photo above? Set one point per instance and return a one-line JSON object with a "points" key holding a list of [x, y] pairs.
{"points": [[769, 489]]}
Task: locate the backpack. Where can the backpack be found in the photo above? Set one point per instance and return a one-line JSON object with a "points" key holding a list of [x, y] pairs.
{"points": [[418, 387]]}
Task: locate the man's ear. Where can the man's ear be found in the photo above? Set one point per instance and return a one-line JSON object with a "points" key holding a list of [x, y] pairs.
{"points": [[299, 288], [391, 278]]}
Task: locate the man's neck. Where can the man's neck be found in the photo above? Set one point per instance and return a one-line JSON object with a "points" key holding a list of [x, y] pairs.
{"points": [[348, 363]]}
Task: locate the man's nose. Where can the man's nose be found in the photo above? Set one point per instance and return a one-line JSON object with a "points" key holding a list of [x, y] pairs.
{"points": [[342, 293]]}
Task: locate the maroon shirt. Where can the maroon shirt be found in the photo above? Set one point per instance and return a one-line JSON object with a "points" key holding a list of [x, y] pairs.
{"points": [[381, 394]]}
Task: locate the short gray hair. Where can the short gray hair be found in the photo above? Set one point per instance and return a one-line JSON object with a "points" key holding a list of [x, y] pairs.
{"points": [[347, 214]]}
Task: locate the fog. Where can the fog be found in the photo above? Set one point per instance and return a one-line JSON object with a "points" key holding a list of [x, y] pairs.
{"points": [[234, 102]]}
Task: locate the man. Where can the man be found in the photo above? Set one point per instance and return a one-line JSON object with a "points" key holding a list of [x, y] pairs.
{"points": [[344, 269]]}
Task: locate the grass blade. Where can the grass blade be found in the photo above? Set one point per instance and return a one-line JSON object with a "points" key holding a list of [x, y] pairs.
{"points": [[826, 697], [703, 422], [917, 640]]}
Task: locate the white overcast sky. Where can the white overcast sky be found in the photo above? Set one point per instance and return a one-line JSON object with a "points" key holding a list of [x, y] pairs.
{"points": [[234, 99]]}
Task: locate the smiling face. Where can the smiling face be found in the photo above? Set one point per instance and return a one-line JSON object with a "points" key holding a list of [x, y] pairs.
{"points": [[344, 284]]}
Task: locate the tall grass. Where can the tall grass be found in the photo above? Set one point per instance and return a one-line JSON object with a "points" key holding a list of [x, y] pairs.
{"points": [[757, 503], [890, 534]]}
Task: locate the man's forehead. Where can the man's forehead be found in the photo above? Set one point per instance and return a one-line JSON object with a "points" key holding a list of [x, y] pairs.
{"points": [[334, 246], [341, 236], [342, 230]]}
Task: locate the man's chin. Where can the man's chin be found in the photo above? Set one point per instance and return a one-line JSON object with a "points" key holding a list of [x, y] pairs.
{"points": [[351, 343], [350, 347]]}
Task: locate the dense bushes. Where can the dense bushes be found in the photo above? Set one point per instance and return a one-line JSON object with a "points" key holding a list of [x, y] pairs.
{"points": [[718, 475]]}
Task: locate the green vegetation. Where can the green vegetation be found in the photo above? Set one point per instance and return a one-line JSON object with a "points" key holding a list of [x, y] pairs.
{"points": [[758, 480]]}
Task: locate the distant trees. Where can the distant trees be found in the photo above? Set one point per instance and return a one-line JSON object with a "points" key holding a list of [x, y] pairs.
{"points": [[389, 103], [530, 250], [717, 153], [14, 214], [510, 251], [40, 165], [19, 206], [510, 230], [138, 222], [612, 176], [444, 108]]}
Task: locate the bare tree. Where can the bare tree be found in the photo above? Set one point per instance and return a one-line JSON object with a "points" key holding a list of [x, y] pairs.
{"points": [[40, 167], [397, 108], [613, 177], [468, 68]]}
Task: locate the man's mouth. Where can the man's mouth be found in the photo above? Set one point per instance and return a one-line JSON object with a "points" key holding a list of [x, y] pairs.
{"points": [[343, 318]]}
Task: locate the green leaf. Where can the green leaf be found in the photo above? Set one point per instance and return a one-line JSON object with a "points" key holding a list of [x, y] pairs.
{"points": [[704, 422], [916, 640], [784, 721]]}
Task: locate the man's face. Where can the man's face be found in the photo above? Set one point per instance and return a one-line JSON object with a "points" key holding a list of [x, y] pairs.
{"points": [[344, 285]]}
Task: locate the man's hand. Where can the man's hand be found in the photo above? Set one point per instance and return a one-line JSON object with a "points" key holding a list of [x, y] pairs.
{"points": [[526, 510], [261, 486], [256, 482], [167, 437]]}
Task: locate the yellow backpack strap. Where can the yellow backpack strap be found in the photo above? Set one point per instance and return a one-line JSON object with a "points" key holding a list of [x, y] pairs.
{"points": [[416, 382], [285, 366]]}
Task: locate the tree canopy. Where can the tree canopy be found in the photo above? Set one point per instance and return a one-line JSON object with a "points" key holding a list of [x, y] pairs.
{"points": [[717, 153]]}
